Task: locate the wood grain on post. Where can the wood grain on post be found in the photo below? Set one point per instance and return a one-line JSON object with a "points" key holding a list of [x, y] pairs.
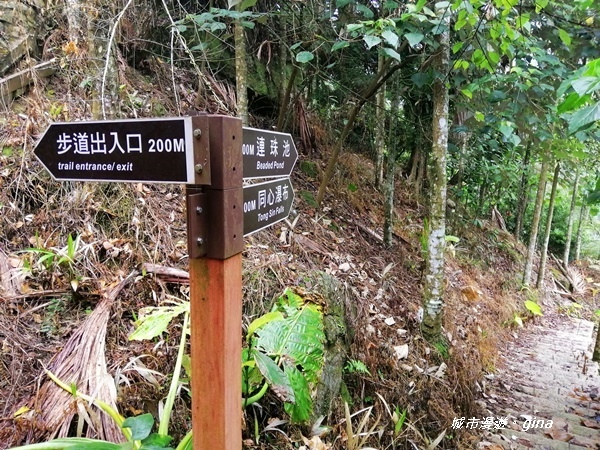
{"points": [[215, 241], [216, 352]]}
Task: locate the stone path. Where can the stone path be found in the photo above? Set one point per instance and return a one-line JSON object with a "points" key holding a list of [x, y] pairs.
{"points": [[548, 376]]}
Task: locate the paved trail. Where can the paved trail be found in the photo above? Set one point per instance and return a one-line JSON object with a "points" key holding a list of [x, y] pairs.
{"points": [[548, 376]]}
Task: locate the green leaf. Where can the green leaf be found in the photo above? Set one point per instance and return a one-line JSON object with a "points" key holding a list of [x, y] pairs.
{"points": [[479, 116], [342, 3], [414, 38], [74, 444], [572, 102], [506, 130], [301, 408], [277, 379], [564, 36], [247, 24], [584, 118], [371, 40], [493, 57], [586, 85], [467, 93], [156, 442], [247, 4], [339, 44], [366, 11], [533, 308], [540, 4], [298, 338], [391, 53], [457, 47], [390, 37], [263, 320], [421, 79], [154, 320], [304, 57], [140, 426], [354, 27]]}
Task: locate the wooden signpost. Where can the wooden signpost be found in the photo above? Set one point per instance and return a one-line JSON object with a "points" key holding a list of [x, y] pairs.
{"points": [[208, 153]]}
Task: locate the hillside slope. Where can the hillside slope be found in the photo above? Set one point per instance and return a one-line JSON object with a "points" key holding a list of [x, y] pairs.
{"points": [[116, 228]]}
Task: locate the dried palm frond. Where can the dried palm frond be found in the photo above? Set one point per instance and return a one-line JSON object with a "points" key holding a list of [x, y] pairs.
{"points": [[578, 283], [82, 364]]}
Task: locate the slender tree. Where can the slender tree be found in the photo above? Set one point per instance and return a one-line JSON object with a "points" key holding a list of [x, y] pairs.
{"points": [[583, 212], [535, 223], [433, 288], [570, 220], [389, 182], [544, 250], [379, 129], [523, 196]]}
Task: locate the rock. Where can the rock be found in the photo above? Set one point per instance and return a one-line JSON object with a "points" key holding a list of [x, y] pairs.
{"points": [[19, 26], [336, 343]]}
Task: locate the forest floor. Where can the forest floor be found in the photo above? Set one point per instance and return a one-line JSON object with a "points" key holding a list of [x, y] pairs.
{"points": [[47, 301]]}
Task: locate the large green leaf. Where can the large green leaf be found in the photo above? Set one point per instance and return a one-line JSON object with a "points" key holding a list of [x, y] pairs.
{"points": [[572, 102], [140, 426], [74, 444], [371, 40], [278, 380], [298, 338], [584, 117], [262, 321], [390, 37], [300, 410], [586, 85], [414, 38]]}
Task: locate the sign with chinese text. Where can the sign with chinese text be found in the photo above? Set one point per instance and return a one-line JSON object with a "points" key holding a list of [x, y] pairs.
{"points": [[266, 204], [141, 150], [268, 154]]}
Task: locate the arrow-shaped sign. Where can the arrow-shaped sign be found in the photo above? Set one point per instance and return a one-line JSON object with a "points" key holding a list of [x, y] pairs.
{"points": [[140, 150], [266, 204], [268, 154]]}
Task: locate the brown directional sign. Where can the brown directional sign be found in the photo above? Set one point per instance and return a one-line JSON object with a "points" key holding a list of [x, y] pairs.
{"points": [[140, 150], [266, 204], [267, 154]]}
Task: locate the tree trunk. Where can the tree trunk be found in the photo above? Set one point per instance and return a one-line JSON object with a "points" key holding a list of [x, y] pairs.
{"points": [[571, 219], [389, 185], [433, 286], [285, 100], [380, 131], [390, 179], [103, 48], [582, 217], [241, 72], [75, 20], [523, 197], [544, 251], [537, 213]]}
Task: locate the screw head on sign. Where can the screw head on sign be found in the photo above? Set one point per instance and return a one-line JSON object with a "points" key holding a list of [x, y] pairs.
{"points": [[198, 168], [199, 241], [197, 133], [198, 209]]}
